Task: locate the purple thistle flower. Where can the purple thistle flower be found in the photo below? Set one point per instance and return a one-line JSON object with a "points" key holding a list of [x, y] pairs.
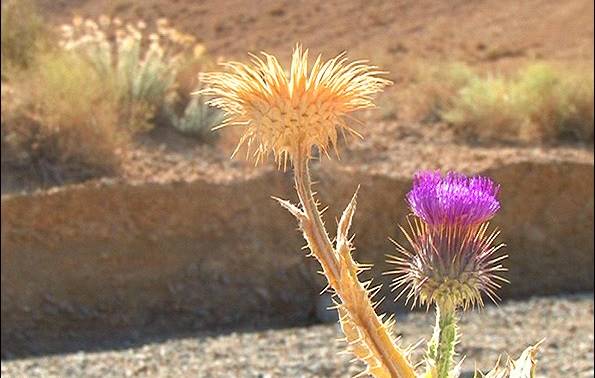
{"points": [[453, 256], [453, 199]]}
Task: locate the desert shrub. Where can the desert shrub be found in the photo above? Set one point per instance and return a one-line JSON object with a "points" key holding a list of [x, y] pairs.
{"points": [[197, 118], [65, 120], [22, 32], [541, 103], [486, 109], [558, 102], [185, 109], [143, 66], [579, 110], [437, 87], [552, 103]]}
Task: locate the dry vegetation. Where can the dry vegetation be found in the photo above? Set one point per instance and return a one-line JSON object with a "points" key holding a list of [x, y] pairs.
{"points": [[60, 124], [139, 76], [540, 103], [77, 100], [22, 34]]}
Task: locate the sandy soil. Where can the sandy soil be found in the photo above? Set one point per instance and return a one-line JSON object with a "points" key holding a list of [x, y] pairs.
{"points": [[566, 322], [480, 31]]}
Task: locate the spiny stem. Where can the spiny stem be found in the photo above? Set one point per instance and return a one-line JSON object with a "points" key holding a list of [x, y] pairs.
{"points": [[432, 352], [303, 185], [353, 295], [442, 345]]}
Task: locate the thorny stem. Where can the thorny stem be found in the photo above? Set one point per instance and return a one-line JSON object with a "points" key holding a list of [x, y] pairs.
{"points": [[303, 186], [442, 346], [432, 352], [375, 335]]}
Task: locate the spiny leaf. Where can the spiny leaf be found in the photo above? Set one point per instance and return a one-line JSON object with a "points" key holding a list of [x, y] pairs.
{"points": [[294, 210], [358, 346], [523, 367], [346, 218]]}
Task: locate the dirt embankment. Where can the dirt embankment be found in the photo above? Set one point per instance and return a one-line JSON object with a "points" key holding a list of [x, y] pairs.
{"points": [[113, 255]]}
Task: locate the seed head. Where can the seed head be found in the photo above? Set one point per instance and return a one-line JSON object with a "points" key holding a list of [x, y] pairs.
{"points": [[289, 113], [452, 259]]}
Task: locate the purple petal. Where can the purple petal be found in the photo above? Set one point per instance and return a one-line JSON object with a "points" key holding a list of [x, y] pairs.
{"points": [[453, 199]]}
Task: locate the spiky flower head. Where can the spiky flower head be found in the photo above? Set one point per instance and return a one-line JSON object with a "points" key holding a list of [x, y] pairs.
{"points": [[453, 259], [288, 113], [453, 199]]}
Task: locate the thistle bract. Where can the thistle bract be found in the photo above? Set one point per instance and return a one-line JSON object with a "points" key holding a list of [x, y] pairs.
{"points": [[452, 259]]}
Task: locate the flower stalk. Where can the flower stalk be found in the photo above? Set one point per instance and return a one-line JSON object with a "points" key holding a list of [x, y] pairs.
{"points": [[288, 114], [447, 331], [369, 338]]}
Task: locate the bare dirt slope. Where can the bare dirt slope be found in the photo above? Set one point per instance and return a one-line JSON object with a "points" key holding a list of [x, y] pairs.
{"points": [[479, 30]]}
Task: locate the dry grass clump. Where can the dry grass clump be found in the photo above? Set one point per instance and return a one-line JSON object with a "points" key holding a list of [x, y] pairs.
{"points": [[142, 65], [63, 121], [22, 32], [437, 87], [541, 103], [94, 88], [487, 109], [558, 102]]}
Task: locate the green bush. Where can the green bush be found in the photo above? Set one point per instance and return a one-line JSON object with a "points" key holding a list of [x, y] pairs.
{"points": [[486, 109], [560, 102]]}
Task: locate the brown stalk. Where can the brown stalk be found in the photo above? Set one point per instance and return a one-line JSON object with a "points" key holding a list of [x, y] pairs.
{"points": [[369, 338]]}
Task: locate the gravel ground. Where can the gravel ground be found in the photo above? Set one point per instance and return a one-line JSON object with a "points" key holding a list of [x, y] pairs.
{"points": [[567, 322]]}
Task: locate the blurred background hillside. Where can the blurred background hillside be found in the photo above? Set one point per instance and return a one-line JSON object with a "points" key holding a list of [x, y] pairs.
{"points": [[131, 242]]}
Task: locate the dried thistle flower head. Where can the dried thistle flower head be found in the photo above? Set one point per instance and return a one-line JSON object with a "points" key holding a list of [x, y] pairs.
{"points": [[289, 113], [452, 260]]}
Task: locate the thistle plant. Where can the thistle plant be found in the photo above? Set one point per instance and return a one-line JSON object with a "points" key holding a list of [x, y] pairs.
{"points": [[453, 257]]}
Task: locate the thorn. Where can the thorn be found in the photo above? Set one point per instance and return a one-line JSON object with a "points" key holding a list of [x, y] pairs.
{"points": [[294, 210], [347, 217]]}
